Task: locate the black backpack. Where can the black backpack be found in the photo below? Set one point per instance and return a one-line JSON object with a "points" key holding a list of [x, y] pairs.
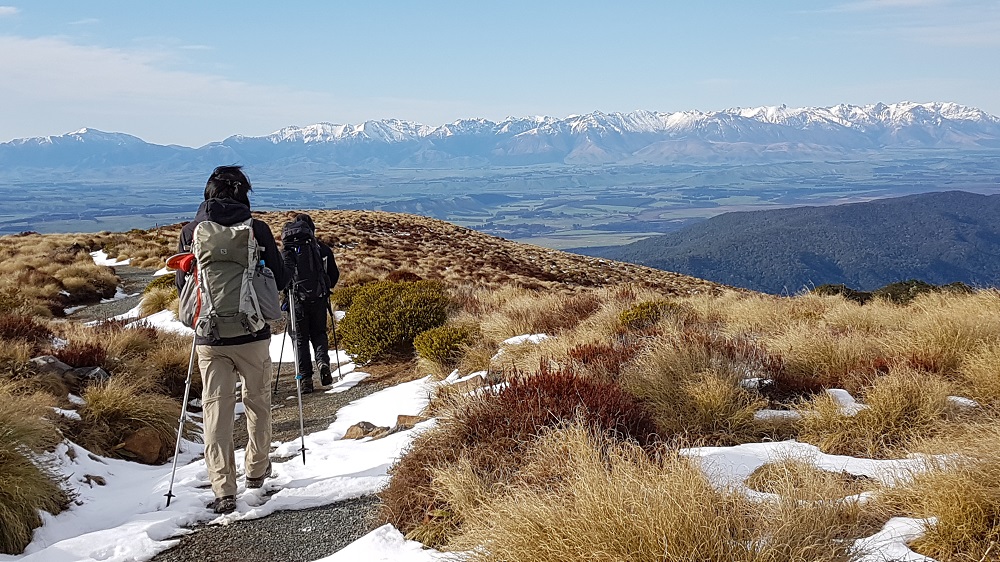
{"points": [[310, 280]]}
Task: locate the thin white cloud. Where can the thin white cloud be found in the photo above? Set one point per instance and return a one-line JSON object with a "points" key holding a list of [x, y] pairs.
{"points": [[8, 11], [868, 5], [66, 86], [943, 23], [58, 86]]}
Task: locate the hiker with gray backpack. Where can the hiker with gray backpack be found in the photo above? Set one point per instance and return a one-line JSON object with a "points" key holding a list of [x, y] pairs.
{"points": [[314, 273], [229, 274]]}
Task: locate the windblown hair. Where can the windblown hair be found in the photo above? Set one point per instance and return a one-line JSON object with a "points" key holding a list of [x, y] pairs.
{"points": [[228, 182]]}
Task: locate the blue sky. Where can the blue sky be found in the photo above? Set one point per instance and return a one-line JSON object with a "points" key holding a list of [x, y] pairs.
{"points": [[192, 72]]}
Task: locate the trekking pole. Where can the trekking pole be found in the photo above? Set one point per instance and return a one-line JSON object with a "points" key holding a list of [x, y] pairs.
{"points": [[281, 355], [180, 425], [298, 375], [336, 344]]}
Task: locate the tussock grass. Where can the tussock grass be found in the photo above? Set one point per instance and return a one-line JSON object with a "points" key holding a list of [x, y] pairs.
{"points": [[877, 317], [959, 495], [157, 299], [901, 407], [945, 328], [28, 484], [476, 357], [693, 385], [979, 375], [492, 433], [15, 352], [800, 480], [167, 365], [815, 358], [117, 408], [607, 501], [519, 311]]}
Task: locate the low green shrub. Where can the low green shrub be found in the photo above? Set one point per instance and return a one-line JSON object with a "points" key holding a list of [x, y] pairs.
{"points": [[385, 317], [163, 281], [342, 297], [830, 289], [902, 292], [444, 345], [645, 314]]}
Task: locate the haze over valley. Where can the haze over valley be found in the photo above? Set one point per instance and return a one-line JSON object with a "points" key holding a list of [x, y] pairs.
{"points": [[584, 181]]}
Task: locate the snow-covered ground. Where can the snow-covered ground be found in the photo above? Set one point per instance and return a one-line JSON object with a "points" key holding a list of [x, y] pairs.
{"points": [[101, 258], [125, 518]]}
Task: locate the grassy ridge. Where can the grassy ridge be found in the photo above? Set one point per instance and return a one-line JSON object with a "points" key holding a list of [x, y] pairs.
{"points": [[577, 450]]}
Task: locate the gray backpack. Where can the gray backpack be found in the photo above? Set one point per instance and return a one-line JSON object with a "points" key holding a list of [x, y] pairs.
{"points": [[229, 293]]}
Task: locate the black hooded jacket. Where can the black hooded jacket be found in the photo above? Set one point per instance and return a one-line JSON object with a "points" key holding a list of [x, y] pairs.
{"points": [[228, 212]]}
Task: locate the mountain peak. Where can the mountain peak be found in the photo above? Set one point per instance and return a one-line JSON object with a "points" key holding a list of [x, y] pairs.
{"points": [[644, 137]]}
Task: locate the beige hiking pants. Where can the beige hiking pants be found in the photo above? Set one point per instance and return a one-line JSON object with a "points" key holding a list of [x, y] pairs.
{"points": [[220, 366]]}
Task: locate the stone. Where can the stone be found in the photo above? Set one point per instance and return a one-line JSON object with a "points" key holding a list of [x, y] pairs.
{"points": [[468, 385], [404, 422], [90, 375], [50, 364], [364, 429], [146, 445]]}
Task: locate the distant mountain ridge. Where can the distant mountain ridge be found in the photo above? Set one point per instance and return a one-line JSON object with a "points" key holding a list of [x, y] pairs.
{"points": [[639, 137], [939, 238]]}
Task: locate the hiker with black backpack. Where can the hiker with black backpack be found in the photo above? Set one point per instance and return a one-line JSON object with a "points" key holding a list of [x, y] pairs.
{"points": [[314, 273], [229, 289]]}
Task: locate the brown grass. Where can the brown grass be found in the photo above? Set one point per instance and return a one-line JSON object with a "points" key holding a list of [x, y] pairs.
{"points": [[800, 480], [979, 375], [609, 501], [158, 299], [28, 484], [962, 495], [694, 390], [117, 408], [492, 432], [902, 407]]}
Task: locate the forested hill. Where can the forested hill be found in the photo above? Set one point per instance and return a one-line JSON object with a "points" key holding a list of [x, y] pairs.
{"points": [[935, 237]]}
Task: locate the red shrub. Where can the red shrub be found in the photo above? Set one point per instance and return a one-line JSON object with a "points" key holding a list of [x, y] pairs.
{"points": [[494, 433], [603, 359], [82, 355], [24, 328]]}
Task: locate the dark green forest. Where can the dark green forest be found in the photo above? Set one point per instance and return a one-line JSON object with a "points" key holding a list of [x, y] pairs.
{"points": [[939, 238]]}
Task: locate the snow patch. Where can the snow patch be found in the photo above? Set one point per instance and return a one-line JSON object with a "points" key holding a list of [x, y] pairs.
{"points": [[101, 258]]}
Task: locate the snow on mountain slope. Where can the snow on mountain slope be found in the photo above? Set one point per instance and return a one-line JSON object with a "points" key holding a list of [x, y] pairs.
{"points": [[594, 138]]}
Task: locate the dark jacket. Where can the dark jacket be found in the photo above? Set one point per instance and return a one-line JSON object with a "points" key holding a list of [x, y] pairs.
{"points": [[228, 212], [332, 271]]}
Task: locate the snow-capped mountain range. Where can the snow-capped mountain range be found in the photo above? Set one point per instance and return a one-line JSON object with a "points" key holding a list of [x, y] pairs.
{"points": [[640, 137]]}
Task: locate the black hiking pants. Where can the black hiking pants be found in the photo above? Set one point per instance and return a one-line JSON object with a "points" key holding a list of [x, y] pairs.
{"points": [[310, 328]]}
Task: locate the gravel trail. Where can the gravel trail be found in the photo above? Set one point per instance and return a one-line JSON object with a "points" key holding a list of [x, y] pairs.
{"points": [[133, 281], [287, 535], [291, 536]]}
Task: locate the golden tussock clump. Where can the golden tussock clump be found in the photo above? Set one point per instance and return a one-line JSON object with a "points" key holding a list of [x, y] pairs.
{"points": [[608, 501]]}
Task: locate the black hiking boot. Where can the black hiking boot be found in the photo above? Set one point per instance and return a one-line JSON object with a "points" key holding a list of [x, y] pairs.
{"points": [[225, 504], [307, 385], [325, 378], [259, 481]]}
